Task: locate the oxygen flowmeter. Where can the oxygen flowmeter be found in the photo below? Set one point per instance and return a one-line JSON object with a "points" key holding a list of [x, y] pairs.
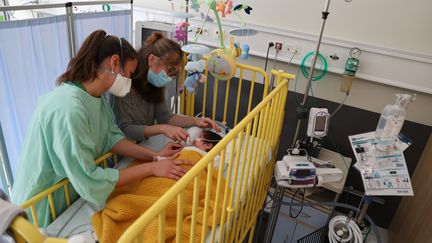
{"points": [[351, 66], [352, 62]]}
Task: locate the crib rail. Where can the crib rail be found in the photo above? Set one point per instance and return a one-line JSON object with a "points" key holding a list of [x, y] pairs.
{"points": [[24, 232], [247, 170], [232, 96], [48, 193]]}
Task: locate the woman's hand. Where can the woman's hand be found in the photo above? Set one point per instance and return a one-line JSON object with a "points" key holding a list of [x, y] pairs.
{"points": [[206, 122], [170, 168], [170, 149], [173, 132]]}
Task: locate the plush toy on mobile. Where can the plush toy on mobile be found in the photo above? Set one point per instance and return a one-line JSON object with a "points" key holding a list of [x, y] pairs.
{"points": [[222, 61], [194, 68], [181, 31]]}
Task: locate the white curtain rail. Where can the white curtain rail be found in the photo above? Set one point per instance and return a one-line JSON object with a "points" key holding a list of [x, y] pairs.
{"points": [[60, 5]]}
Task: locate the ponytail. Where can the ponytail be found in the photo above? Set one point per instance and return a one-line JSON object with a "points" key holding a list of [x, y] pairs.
{"points": [[94, 50], [153, 38], [167, 50]]}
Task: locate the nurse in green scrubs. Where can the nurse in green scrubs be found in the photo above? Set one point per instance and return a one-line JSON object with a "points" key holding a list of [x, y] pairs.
{"points": [[74, 124]]}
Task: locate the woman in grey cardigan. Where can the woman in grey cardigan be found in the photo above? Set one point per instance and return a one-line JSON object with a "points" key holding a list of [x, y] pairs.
{"points": [[159, 62]]}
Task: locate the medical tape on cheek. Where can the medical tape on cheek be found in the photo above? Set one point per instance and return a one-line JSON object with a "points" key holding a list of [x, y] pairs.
{"points": [[194, 133]]}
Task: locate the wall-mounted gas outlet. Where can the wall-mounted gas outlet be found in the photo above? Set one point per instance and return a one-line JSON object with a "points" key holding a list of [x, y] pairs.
{"points": [[217, 33], [291, 49]]}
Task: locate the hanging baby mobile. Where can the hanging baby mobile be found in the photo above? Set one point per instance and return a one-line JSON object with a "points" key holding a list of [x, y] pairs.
{"points": [[222, 61]]}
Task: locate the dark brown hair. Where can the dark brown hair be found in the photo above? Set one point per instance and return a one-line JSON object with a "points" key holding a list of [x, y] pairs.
{"points": [[169, 51], [96, 47], [211, 137]]}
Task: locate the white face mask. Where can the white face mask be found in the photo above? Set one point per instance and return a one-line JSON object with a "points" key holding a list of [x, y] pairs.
{"points": [[121, 86]]}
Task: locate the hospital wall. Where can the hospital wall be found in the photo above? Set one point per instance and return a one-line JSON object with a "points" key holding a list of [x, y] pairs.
{"points": [[399, 25], [395, 24]]}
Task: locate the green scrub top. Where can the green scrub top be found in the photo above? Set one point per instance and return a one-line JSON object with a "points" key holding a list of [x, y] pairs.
{"points": [[68, 131]]}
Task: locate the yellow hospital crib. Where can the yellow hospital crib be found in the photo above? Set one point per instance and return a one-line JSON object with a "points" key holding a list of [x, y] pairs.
{"points": [[246, 161]]}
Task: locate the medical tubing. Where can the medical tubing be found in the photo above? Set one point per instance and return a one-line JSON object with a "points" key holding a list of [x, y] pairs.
{"points": [[340, 105], [355, 234], [342, 205], [289, 62], [274, 67], [323, 68]]}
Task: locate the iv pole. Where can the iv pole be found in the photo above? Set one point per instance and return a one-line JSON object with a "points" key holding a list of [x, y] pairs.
{"points": [[325, 13]]}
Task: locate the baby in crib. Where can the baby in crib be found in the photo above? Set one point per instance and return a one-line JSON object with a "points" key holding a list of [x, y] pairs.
{"points": [[127, 203]]}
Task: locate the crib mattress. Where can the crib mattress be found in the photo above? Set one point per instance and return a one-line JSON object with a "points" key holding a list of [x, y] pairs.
{"points": [[75, 220]]}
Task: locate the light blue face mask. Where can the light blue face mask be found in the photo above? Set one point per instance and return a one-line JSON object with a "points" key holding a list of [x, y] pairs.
{"points": [[159, 80]]}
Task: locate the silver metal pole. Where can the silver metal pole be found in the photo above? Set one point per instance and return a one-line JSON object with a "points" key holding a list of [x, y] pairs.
{"points": [[5, 13], [187, 21], [101, 2], [71, 30], [132, 23], [30, 7], [58, 5], [315, 56], [325, 13], [7, 180]]}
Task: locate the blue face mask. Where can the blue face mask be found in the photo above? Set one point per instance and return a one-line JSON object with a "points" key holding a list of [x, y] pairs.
{"points": [[159, 80]]}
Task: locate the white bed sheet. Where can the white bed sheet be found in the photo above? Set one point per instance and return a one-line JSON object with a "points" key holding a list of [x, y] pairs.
{"points": [[75, 220]]}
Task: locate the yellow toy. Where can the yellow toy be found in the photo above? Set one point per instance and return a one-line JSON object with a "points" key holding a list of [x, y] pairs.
{"points": [[222, 62]]}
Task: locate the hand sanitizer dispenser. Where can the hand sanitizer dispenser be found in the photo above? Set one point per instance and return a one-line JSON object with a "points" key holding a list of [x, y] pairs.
{"points": [[391, 120]]}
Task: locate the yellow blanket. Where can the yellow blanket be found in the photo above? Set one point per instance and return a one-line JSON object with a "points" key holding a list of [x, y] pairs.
{"points": [[127, 203]]}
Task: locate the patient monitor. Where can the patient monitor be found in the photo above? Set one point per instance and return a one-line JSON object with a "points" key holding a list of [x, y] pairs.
{"points": [[318, 122]]}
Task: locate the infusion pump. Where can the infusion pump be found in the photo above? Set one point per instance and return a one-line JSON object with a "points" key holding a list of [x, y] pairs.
{"points": [[297, 171], [301, 172]]}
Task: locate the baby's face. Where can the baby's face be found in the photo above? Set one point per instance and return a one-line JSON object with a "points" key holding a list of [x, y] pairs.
{"points": [[199, 143], [202, 144]]}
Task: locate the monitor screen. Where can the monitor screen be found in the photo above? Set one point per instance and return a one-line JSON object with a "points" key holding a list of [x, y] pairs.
{"points": [[320, 123], [144, 29]]}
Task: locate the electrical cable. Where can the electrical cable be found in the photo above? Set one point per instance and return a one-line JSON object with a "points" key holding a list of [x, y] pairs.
{"points": [[274, 67], [270, 44], [361, 201], [292, 199], [367, 234], [275, 60]]}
